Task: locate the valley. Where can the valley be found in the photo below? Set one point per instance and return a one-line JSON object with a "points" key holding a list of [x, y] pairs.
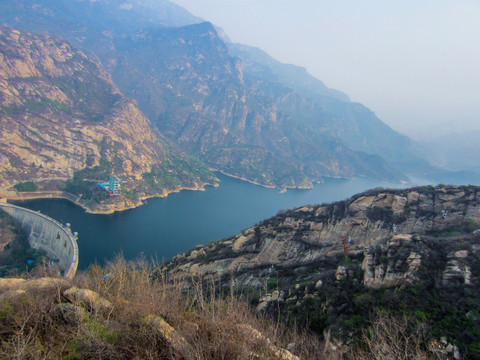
{"points": [[227, 205]]}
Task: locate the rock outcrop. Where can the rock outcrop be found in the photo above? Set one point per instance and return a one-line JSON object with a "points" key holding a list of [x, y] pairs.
{"points": [[310, 234], [387, 269]]}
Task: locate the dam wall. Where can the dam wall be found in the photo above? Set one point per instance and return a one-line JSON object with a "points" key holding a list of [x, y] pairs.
{"points": [[47, 234]]}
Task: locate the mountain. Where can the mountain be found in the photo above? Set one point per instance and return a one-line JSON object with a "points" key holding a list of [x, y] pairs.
{"points": [[258, 63], [338, 117], [198, 94], [62, 117], [285, 129], [410, 252], [82, 18]]}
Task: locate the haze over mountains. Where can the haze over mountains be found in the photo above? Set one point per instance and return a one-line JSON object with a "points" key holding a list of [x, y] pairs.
{"points": [[233, 106], [143, 90]]}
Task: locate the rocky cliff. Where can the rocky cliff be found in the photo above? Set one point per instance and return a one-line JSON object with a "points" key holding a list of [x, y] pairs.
{"points": [[60, 113], [417, 249], [309, 234]]}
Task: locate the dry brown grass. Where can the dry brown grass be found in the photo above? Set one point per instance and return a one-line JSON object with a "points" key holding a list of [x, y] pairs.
{"points": [[35, 327], [213, 324]]}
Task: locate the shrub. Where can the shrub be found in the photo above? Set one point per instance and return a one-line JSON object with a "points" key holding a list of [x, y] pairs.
{"points": [[26, 186], [392, 337], [272, 283]]}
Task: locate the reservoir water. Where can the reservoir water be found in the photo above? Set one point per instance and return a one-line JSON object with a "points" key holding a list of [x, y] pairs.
{"points": [[167, 226]]}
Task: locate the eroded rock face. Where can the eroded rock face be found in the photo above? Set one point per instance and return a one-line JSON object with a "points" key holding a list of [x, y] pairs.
{"points": [[307, 235], [403, 248], [389, 267], [458, 269], [60, 112], [393, 239]]}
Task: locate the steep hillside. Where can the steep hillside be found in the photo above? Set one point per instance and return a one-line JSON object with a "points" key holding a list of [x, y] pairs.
{"points": [[61, 113], [414, 253], [327, 111], [307, 234], [257, 128], [254, 130]]}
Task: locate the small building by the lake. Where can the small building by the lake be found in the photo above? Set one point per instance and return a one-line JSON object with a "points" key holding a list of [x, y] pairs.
{"points": [[113, 186]]}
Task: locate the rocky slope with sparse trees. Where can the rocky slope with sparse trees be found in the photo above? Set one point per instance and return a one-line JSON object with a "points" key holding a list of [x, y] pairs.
{"points": [[409, 253]]}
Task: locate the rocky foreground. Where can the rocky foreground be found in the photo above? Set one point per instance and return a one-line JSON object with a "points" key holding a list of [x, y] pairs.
{"points": [[124, 315], [414, 252]]}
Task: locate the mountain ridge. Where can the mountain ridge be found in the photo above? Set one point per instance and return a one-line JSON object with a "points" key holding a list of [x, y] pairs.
{"points": [[259, 63], [166, 101]]}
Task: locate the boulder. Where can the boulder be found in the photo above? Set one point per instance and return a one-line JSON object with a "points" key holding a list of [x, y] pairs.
{"points": [[71, 313], [88, 299], [176, 341], [248, 332], [8, 284], [341, 273]]}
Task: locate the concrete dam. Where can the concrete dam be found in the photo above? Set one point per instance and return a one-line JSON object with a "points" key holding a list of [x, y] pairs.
{"points": [[47, 234]]}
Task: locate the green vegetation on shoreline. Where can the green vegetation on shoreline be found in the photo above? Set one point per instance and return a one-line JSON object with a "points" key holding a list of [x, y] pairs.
{"points": [[26, 186]]}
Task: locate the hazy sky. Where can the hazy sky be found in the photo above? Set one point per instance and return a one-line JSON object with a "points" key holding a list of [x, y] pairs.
{"points": [[414, 63]]}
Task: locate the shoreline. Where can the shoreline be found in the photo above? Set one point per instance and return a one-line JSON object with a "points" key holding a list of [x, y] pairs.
{"points": [[102, 209], [126, 204], [280, 188], [46, 195], [140, 201]]}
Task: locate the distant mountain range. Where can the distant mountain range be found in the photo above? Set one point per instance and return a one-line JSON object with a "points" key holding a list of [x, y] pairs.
{"points": [[454, 152], [236, 108]]}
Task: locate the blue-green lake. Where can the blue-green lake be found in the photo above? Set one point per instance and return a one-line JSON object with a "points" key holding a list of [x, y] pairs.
{"points": [[167, 226]]}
